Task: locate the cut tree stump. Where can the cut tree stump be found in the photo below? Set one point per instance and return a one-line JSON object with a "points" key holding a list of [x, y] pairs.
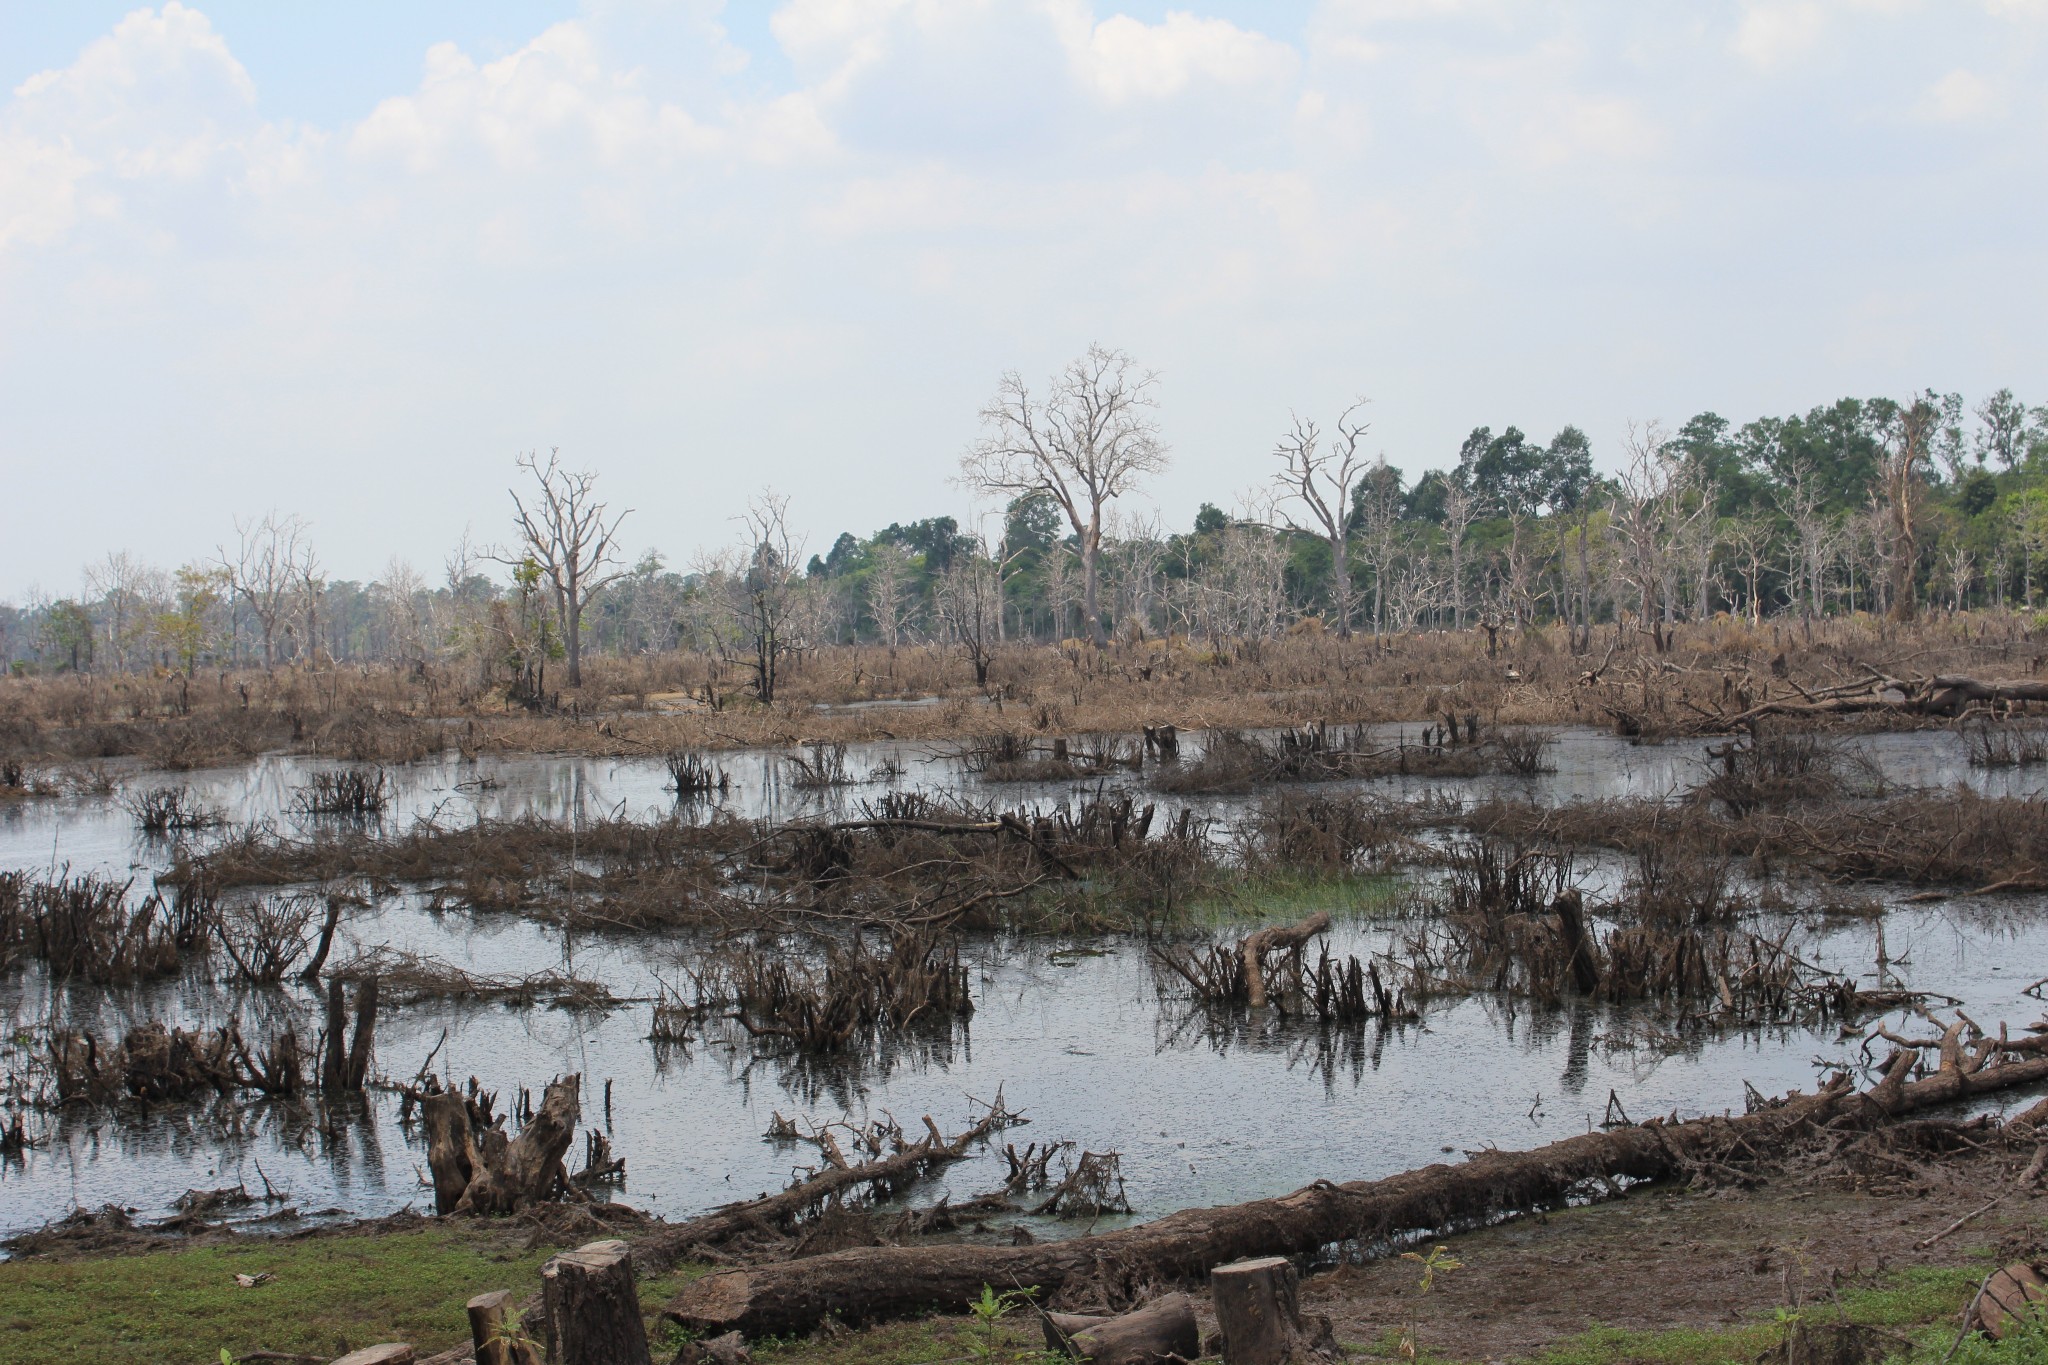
{"points": [[487, 1331], [1161, 1330], [1060, 1328], [2010, 1296], [1258, 1312], [593, 1307], [390, 1353]]}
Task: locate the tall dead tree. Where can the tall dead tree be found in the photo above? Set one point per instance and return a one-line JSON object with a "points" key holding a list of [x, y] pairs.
{"points": [[271, 566], [1903, 479], [969, 599], [1084, 444], [572, 538], [1322, 476]]}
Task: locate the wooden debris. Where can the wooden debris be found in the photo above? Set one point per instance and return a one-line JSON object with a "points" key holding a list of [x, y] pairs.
{"points": [[877, 1283], [2011, 1294], [1161, 1331], [390, 1353]]}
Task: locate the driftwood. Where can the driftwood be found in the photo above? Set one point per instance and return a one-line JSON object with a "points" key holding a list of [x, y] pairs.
{"points": [[1278, 938], [875, 1283], [777, 1211], [390, 1353], [1160, 1331], [1943, 694]]}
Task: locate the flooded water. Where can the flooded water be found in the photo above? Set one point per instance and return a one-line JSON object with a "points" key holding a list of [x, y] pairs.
{"points": [[1074, 1033]]}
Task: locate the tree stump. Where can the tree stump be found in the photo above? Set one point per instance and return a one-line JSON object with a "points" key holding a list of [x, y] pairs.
{"points": [[1277, 937], [495, 1345], [1164, 1328], [1571, 927], [514, 1173], [390, 1353], [593, 1307], [451, 1147], [1258, 1311]]}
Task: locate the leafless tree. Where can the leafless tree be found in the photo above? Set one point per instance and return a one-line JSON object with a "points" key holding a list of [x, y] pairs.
{"points": [[1751, 538], [969, 601], [1321, 476], [1959, 566], [268, 568], [767, 616], [572, 537], [1462, 507], [1086, 443], [1642, 499], [888, 590]]}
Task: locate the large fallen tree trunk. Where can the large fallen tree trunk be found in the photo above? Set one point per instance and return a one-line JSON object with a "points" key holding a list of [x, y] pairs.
{"points": [[873, 1283], [1941, 695]]}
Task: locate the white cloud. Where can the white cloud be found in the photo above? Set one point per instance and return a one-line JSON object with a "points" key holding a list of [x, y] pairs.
{"points": [[1773, 32], [1959, 97], [553, 98], [1124, 59]]}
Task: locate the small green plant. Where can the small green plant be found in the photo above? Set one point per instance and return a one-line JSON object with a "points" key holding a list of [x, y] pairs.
{"points": [[227, 1357], [989, 1311], [1439, 1261], [512, 1331]]}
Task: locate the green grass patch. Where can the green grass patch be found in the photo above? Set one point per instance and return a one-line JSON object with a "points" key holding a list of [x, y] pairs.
{"points": [[182, 1307], [1286, 897]]}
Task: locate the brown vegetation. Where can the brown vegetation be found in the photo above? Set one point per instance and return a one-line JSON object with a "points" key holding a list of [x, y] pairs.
{"points": [[1714, 675]]}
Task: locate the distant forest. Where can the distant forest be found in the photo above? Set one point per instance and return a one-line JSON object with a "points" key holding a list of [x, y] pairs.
{"points": [[1863, 505]]}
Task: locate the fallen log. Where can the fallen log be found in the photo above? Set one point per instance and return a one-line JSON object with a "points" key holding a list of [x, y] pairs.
{"points": [[1278, 938], [1941, 695], [1160, 1331], [876, 1283], [776, 1211]]}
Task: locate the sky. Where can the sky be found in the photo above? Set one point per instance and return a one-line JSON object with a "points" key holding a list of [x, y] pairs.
{"points": [[350, 261]]}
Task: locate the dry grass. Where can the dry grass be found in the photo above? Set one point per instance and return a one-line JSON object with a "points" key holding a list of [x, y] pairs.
{"points": [[660, 704]]}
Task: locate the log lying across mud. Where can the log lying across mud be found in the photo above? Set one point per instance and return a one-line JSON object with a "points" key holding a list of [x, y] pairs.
{"points": [[874, 1283]]}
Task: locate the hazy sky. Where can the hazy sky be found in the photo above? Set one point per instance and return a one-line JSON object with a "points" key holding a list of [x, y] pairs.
{"points": [[349, 260]]}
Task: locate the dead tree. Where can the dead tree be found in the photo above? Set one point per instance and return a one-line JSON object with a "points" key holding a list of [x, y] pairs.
{"points": [[1323, 476], [1085, 444], [1903, 482], [572, 538], [970, 607], [1278, 937], [486, 1172], [269, 569]]}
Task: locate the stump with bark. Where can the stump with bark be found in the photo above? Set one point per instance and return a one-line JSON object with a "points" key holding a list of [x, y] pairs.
{"points": [[1258, 1311], [486, 1172], [593, 1307]]}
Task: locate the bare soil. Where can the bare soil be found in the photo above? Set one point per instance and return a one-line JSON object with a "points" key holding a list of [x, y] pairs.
{"points": [[1663, 1257]]}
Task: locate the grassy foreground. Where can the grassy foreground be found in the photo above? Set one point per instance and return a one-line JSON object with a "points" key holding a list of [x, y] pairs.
{"points": [[331, 1293]]}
